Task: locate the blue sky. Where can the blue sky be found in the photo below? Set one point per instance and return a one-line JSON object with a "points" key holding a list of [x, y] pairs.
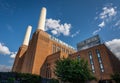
{"points": [[78, 19]]}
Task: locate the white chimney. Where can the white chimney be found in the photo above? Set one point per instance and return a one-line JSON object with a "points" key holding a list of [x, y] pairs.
{"points": [[41, 23], [27, 35]]}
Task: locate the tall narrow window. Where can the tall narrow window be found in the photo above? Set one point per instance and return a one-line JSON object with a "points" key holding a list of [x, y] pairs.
{"points": [[91, 61], [100, 60], [48, 71], [58, 48], [53, 48], [62, 49]]}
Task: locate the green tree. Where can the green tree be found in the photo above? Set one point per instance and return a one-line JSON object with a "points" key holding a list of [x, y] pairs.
{"points": [[21, 77], [11, 80], [29, 78], [73, 70], [53, 81], [116, 77]]}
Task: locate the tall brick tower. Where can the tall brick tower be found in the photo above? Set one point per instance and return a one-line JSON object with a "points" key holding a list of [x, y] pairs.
{"points": [[21, 52], [37, 49], [30, 57]]}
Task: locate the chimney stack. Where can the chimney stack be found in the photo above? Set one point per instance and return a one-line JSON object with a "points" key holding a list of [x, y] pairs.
{"points": [[41, 23], [27, 35]]}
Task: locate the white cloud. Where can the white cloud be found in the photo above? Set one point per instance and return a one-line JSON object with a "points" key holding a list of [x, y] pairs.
{"points": [[109, 15], [54, 32], [57, 28], [96, 31], [102, 24], [117, 24], [114, 46], [108, 12], [95, 18], [5, 68], [76, 33], [4, 50], [13, 54]]}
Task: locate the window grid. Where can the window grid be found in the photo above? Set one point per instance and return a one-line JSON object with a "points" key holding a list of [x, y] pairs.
{"points": [[48, 71], [100, 60], [91, 61]]}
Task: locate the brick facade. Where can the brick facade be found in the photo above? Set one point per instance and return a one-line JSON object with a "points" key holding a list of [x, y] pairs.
{"points": [[42, 52], [40, 47]]}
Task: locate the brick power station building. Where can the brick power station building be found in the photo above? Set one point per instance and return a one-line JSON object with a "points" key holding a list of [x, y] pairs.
{"points": [[38, 55]]}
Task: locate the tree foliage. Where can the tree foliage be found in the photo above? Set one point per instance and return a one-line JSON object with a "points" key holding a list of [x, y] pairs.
{"points": [[116, 77], [12, 77], [26, 77], [53, 81], [73, 70]]}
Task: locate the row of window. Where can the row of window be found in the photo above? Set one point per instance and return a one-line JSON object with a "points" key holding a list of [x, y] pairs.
{"points": [[99, 60], [48, 71], [56, 48], [91, 60]]}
